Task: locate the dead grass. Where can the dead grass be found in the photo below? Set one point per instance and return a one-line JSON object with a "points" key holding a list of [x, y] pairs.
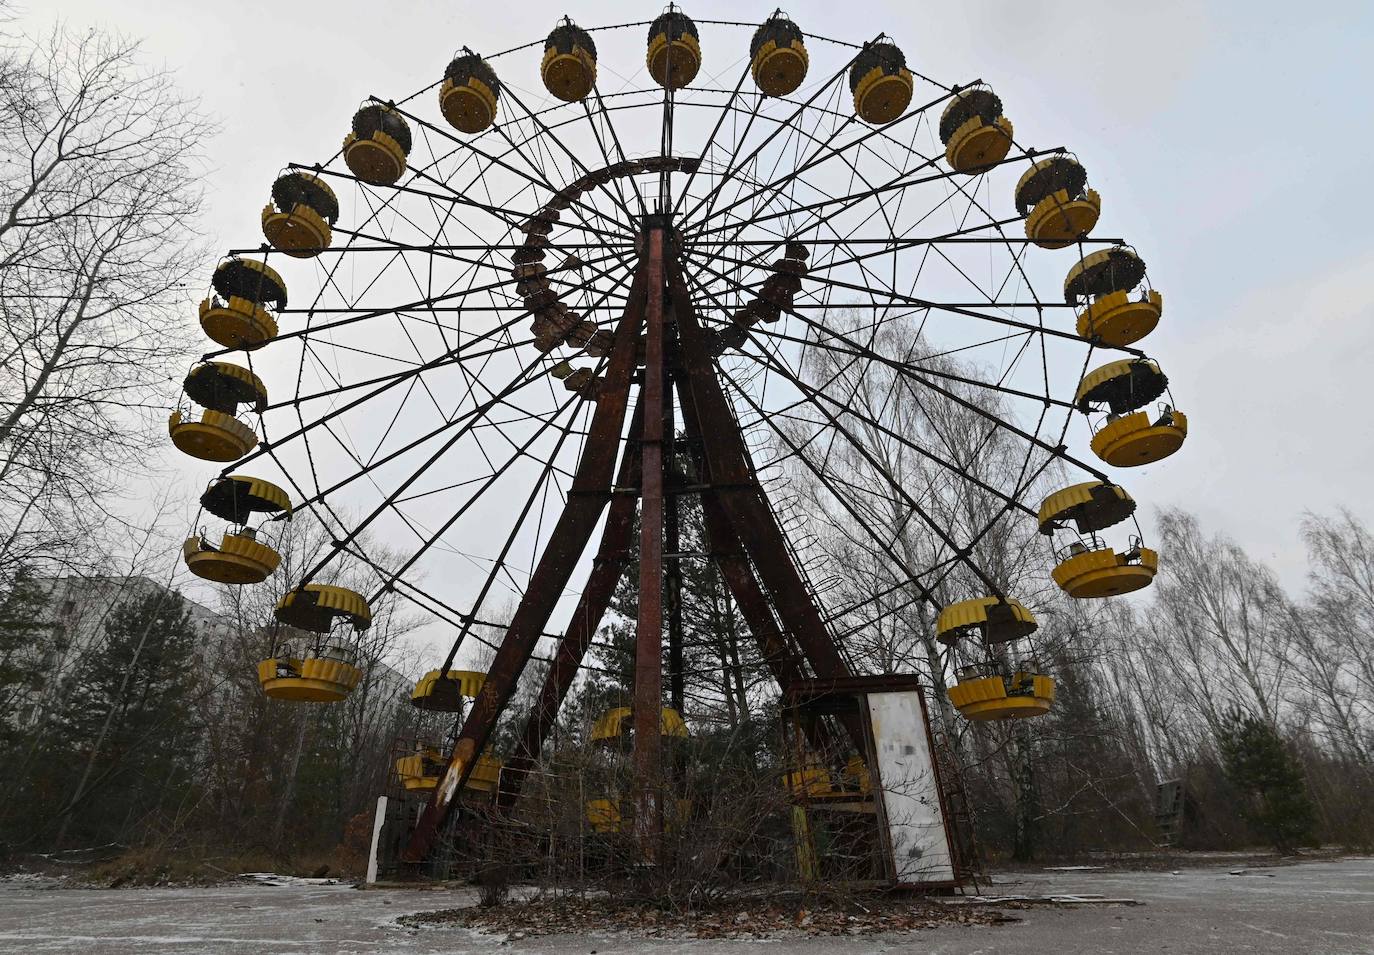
{"points": [[746, 918], [200, 867]]}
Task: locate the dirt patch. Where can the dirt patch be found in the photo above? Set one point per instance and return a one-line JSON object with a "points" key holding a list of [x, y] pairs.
{"points": [[747, 919]]}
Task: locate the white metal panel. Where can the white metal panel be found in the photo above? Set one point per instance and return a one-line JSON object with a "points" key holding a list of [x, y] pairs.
{"points": [[377, 822], [910, 791]]}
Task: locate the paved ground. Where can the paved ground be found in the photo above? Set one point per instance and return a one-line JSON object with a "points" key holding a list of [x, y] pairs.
{"points": [[1322, 908]]}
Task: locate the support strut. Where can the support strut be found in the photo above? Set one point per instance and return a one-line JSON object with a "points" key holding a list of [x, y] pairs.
{"points": [[648, 689], [607, 568], [591, 490]]}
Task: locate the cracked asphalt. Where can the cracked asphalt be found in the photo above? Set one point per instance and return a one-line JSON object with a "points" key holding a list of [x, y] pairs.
{"points": [[1317, 908]]}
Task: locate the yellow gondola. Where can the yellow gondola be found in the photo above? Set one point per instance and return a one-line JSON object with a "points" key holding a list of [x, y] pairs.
{"points": [[1102, 283], [236, 315], [569, 66], [317, 607], [446, 695], [995, 619], [1104, 572], [975, 133], [239, 559], [777, 56], [618, 722], [1091, 506], [1058, 206], [376, 148], [1130, 438], [817, 783], [220, 387], [1091, 569], [485, 775], [1122, 385], [299, 219], [469, 94], [422, 771], [996, 697], [880, 82], [674, 52], [237, 497], [323, 678]]}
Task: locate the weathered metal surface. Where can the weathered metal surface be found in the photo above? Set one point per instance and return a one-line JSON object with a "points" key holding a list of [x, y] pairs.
{"points": [[607, 568], [908, 783], [734, 567], [591, 490], [672, 541], [648, 689], [742, 498], [740, 525], [820, 693]]}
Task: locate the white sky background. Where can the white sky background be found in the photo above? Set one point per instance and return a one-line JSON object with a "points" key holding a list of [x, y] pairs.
{"points": [[1230, 143]]}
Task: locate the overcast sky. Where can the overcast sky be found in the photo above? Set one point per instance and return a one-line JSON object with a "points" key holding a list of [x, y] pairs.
{"points": [[1228, 141]]}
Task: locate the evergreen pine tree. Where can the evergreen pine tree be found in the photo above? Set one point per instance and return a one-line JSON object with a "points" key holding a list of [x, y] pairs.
{"points": [[24, 644], [131, 727], [1257, 762]]}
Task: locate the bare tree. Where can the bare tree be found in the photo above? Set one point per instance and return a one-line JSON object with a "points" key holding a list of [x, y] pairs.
{"points": [[98, 201], [1222, 624], [1334, 662]]}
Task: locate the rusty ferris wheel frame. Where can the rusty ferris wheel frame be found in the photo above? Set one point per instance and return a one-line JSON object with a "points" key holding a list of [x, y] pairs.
{"points": [[666, 269]]}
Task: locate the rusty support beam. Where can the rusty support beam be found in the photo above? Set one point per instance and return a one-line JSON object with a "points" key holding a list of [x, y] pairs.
{"points": [[672, 542], [725, 549], [742, 498], [611, 557], [587, 498], [648, 688]]}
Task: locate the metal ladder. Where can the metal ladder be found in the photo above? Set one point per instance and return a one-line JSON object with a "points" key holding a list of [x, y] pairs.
{"points": [[968, 857]]}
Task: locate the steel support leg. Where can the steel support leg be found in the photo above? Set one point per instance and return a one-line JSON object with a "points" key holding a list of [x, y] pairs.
{"points": [[648, 695], [591, 489], [611, 558], [741, 497]]}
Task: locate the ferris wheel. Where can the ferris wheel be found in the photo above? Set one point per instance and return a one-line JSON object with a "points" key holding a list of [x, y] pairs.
{"points": [[514, 315]]}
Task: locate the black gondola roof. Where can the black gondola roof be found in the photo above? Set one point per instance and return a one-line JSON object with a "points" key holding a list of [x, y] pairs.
{"points": [[1122, 385], [221, 387], [375, 117], [233, 498], [1117, 269], [777, 28], [567, 35], [883, 54], [469, 65], [251, 280], [675, 24], [295, 188]]}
